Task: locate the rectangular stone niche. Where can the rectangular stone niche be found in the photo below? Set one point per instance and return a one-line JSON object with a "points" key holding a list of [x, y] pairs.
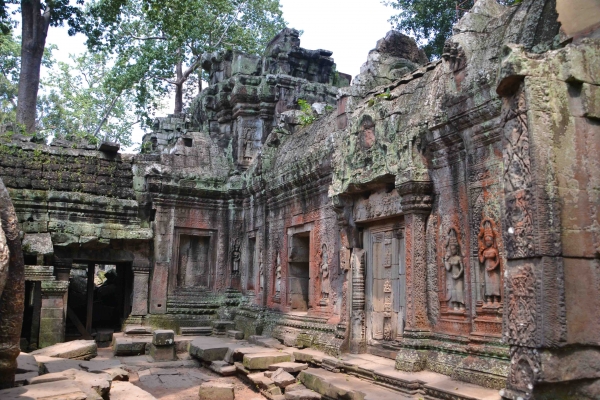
{"points": [[299, 278], [193, 260]]}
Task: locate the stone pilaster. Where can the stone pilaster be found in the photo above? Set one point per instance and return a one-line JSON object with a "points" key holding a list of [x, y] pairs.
{"points": [[52, 315], [416, 205], [139, 305]]}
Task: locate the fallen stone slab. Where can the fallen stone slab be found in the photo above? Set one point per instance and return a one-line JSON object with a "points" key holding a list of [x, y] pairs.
{"points": [[223, 368], [272, 392], [282, 379], [208, 348], [99, 382], [237, 353], [117, 374], [295, 386], [261, 361], [216, 390], [21, 379], [261, 381], [99, 365], [128, 391], [75, 350], [64, 390], [123, 346], [54, 364], [302, 394], [290, 367], [27, 363], [241, 369], [163, 337]]}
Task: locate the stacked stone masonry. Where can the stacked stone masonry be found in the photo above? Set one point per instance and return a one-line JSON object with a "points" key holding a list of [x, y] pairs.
{"points": [[440, 214]]}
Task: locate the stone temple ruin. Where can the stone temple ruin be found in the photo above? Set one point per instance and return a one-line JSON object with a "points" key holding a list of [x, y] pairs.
{"points": [[440, 214]]}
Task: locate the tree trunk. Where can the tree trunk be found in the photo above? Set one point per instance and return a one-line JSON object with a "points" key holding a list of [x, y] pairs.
{"points": [[33, 41], [178, 98], [178, 89], [13, 296]]}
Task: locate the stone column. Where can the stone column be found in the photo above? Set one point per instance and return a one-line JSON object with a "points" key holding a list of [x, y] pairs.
{"points": [[416, 205], [139, 304], [52, 315]]}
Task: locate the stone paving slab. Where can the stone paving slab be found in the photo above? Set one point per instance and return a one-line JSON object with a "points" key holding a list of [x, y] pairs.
{"points": [[64, 390], [128, 391], [139, 363], [99, 382], [336, 385], [27, 363], [76, 350]]}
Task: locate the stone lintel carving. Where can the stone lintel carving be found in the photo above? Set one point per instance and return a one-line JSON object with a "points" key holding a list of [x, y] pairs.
{"points": [[39, 273]]}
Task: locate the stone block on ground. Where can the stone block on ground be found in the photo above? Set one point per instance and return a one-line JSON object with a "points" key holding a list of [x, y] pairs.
{"points": [[117, 374], [123, 346], [295, 386], [162, 353], [266, 342], [238, 335], [21, 379], [208, 348], [128, 391], [309, 356], [273, 391], [291, 367], [216, 390], [64, 390], [99, 365], [241, 369], [76, 350], [282, 379], [261, 381], [262, 361], [223, 368], [100, 382], [163, 337]]}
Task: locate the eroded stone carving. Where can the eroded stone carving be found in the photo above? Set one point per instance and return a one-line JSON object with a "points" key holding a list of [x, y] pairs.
{"points": [[489, 258], [278, 275], [324, 268]]}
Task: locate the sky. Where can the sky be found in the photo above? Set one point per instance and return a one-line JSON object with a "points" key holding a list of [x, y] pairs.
{"points": [[349, 28]]}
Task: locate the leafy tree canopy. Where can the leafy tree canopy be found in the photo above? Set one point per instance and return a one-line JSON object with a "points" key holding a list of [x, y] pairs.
{"points": [[158, 44], [430, 21]]}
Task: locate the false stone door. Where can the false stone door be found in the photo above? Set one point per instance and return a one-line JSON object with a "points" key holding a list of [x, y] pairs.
{"points": [[385, 284]]}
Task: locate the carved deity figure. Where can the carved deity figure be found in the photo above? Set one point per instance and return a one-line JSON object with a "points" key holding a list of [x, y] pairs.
{"points": [[325, 284], [261, 273], [278, 275], [490, 259], [455, 272], [236, 255]]}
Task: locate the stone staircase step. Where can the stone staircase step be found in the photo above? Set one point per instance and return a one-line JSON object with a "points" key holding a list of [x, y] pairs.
{"points": [[196, 331], [238, 335], [209, 348]]}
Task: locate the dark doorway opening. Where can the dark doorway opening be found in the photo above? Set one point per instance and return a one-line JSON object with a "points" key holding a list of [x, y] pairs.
{"points": [[99, 300], [299, 272]]}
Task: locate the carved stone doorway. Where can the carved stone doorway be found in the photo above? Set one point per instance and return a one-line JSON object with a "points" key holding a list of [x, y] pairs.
{"points": [[385, 285], [299, 272]]}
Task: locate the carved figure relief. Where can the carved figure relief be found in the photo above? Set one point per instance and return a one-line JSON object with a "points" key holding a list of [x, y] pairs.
{"points": [[235, 257], [261, 272], [325, 283], [455, 293], [489, 258], [367, 133], [278, 275]]}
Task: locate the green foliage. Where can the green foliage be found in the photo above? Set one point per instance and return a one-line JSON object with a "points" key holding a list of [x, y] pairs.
{"points": [[307, 115], [81, 103], [159, 44], [430, 21]]}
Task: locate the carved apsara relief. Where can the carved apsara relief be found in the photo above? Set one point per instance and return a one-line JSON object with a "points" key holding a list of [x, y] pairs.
{"points": [[489, 260], [324, 272], [455, 272]]}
